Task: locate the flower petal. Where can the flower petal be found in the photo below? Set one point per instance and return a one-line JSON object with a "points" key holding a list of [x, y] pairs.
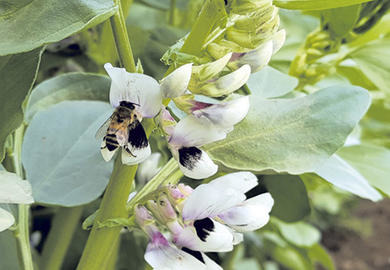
{"points": [[137, 154], [228, 83], [6, 219], [176, 83], [14, 190], [166, 256], [258, 58], [136, 88], [107, 152], [210, 200], [148, 168], [250, 215], [196, 163], [227, 114], [207, 235], [239, 181], [193, 131], [278, 40]]}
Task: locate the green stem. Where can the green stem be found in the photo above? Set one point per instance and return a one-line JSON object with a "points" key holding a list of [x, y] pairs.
{"points": [[21, 232], [159, 179], [172, 11], [122, 41], [100, 241], [22, 236], [63, 227], [113, 205]]}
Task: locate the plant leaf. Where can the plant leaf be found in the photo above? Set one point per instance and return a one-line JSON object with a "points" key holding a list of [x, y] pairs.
{"points": [[341, 174], [70, 86], [17, 75], [13, 189], [290, 196], [292, 135], [316, 4], [41, 22], [270, 83], [370, 161], [61, 156], [299, 233]]}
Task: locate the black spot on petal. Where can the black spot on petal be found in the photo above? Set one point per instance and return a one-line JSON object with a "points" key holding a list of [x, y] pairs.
{"points": [[203, 228], [137, 135], [188, 156], [127, 104], [194, 253]]}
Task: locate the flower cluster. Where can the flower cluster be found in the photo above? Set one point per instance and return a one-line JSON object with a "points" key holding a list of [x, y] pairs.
{"points": [[183, 223], [137, 96]]}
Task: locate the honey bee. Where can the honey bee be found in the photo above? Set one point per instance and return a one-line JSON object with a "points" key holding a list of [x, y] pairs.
{"points": [[123, 129]]}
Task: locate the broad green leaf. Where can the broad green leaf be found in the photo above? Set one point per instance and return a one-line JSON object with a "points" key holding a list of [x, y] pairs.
{"points": [[373, 59], [70, 86], [290, 258], [6, 219], [318, 254], [316, 4], [292, 135], [340, 21], [40, 22], [17, 75], [355, 76], [8, 251], [13, 189], [61, 156], [341, 174], [370, 161], [270, 83], [299, 233], [290, 196]]}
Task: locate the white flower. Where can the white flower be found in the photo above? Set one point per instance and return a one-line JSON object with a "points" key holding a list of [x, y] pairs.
{"points": [[259, 57], [211, 209], [12, 190], [175, 84], [148, 168], [160, 254]]}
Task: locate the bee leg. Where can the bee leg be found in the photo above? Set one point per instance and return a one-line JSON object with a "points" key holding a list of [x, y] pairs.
{"points": [[128, 151]]}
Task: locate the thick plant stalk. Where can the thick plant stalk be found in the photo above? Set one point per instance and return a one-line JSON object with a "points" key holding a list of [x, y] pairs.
{"points": [[63, 227]]}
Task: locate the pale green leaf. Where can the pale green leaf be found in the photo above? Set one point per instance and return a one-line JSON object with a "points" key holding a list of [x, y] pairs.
{"points": [[370, 161], [39, 22], [70, 86], [61, 156], [292, 135], [17, 75], [299, 233], [373, 59], [318, 254], [270, 83], [13, 189], [290, 196], [341, 174], [6, 219], [316, 4], [340, 21]]}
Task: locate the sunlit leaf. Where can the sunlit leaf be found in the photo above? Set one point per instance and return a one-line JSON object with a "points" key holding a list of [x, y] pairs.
{"points": [[370, 161], [61, 156], [36, 22], [318, 254], [299, 233], [292, 135], [71, 86], [17, 75], [270, 83], [341, 174], [316, 4]]}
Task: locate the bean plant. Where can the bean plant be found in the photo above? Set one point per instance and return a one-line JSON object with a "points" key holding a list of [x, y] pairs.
{"points": [[198, 134]]}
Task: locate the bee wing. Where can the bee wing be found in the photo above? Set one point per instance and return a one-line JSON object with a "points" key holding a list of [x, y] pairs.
{"points": [[102, 131]]}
